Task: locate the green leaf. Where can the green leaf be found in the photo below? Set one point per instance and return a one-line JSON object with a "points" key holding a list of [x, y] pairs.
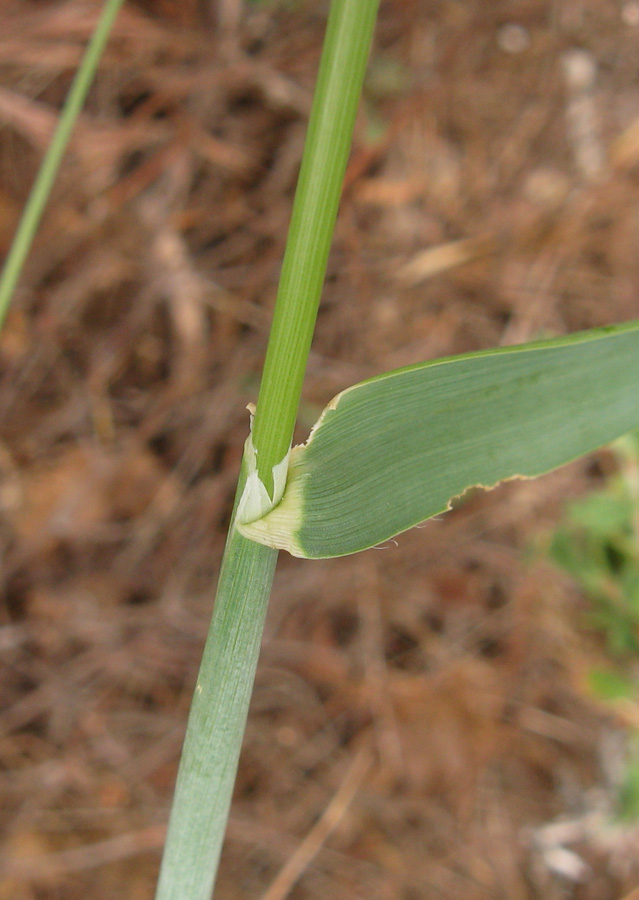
{"points": [[393, 451]]}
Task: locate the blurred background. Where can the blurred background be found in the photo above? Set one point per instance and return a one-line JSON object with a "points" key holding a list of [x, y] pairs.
{"points": [[448, 716]]}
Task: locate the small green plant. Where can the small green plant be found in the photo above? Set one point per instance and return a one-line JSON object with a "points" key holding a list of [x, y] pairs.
{"points": [[383, 456], [598, 546]]}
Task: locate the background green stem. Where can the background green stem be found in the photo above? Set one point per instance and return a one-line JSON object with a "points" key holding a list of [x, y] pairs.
{"points": [[41, 190], [220, 703]]}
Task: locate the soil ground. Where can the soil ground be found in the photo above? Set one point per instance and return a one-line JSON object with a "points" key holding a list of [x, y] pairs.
{"points": [[427, 700]]}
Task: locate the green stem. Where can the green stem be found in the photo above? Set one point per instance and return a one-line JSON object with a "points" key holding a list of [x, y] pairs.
{"points": [[41, 190], [216, 722], [220, 704], [339, 82]]}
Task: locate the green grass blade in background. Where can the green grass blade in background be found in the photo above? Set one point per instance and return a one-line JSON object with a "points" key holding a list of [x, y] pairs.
{"points": [[391, 452], [41, 190]]}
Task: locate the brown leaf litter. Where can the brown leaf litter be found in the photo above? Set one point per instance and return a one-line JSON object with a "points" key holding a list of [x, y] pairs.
{"points": [[421, 726]]}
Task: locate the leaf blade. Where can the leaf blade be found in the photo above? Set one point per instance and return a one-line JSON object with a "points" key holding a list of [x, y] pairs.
{"points": [[393, 451]]}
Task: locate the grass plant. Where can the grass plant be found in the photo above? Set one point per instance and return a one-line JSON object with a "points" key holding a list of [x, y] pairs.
{"points": [[384, 455], [221, 699]]}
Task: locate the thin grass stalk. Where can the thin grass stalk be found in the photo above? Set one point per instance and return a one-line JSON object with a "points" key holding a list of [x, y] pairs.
{"points": [[339, 83], [41, 190], [220, 702]]}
